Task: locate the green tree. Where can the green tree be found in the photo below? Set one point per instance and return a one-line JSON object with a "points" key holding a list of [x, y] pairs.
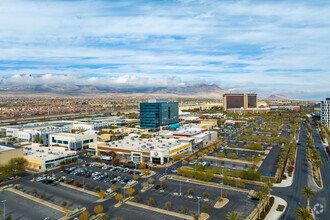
{"points": [[162, 184], [184, 210], [191, 191], [64, 203], [168, 205], [97, 189], [151, 201], [303, 214], [205, 209], [17, 165], [136, 198], [233, 216], [206, 194], [260, 195], [76, 182], [42, 195], [308, 192], [87, 185]]}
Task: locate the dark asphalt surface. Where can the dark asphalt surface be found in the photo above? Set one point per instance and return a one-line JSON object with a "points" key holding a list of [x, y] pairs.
{"points": [[23, 208]]}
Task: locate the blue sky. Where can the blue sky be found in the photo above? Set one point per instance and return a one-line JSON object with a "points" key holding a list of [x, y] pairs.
{"points": [[243, 46]]}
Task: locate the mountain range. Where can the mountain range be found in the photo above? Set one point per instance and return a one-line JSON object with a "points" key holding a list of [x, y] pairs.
{"points": [[190, 91]]}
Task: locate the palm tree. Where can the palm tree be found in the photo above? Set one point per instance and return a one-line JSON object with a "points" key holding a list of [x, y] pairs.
{"points": [[260, 195], [308, 192], [265, 189], [269, 184], [233, 216], [303, 214]]}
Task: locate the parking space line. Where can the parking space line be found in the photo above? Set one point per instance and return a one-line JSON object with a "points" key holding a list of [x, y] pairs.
{"points": [[51, 205]]}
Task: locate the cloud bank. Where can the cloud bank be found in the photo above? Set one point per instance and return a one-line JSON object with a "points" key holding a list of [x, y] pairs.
{"points": [[265, 47]]}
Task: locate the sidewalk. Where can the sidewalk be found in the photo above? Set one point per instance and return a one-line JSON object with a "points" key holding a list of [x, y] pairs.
{"points": [[273, 213]]}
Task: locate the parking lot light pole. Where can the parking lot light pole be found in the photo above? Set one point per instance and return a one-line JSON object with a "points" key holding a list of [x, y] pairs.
{"points": [[4, 208], [199, 199]]}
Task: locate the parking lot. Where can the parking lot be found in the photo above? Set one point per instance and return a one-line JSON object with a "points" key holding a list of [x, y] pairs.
{"points": [[22, 208], [236, 199], [57, 194]]}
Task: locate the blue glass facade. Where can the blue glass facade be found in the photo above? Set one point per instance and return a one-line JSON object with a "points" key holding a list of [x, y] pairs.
{"points": [[153, 115]]}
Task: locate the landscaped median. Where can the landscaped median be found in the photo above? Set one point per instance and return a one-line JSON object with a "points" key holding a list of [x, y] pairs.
{"points": [[51, 205], [201, 182], [203, 216], [79, 189]]}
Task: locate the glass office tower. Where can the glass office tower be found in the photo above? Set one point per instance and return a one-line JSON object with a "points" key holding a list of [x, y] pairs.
{"points": [[157, 113]]}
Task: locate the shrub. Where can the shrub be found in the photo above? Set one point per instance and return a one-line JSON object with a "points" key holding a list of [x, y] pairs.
{"points": [[42, 195], [184, 210], [87, 185], [191, 191], [151, 201], [168, 205], [64, 203], [76, 182], [224, 195], [97, 189], [205, 209], [136, 198], [206, 194]]}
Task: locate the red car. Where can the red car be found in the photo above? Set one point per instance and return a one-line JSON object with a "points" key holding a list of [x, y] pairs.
{"points": [[87, 175], [80, 185], [81, 174], [87, 164], [130, 172]]}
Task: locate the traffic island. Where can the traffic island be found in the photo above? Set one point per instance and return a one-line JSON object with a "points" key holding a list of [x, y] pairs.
{"points": [[145, 188], [221, 204], [149, 175], [80, 189]]}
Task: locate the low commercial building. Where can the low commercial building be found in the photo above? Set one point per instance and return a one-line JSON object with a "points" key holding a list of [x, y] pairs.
{"points": [[8, 152], [42, 158], [284, 108], [153, 150], [248, 110], [72, 141]]}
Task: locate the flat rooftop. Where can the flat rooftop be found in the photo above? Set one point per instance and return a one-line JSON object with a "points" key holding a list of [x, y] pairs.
{"points": [[72, 134], [147, 144], [5, 148], [41, 125], [45, 153]]}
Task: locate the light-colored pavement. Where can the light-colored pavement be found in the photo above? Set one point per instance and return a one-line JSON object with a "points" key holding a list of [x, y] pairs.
{"points": [[273, 213]]}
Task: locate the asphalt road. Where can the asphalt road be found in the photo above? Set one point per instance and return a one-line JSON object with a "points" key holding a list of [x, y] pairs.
{"points": [[23, 208], [322, 195]]}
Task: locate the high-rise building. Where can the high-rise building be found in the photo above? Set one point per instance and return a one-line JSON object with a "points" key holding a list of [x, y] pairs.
{"points": [[325, 112], [240, 100], [157, 113]]}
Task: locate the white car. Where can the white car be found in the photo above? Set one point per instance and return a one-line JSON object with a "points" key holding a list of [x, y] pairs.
{"points": [[108, 191]]}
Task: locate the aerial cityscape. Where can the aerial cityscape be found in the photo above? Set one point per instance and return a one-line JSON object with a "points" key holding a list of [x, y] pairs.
{"points": [[183, 109]]}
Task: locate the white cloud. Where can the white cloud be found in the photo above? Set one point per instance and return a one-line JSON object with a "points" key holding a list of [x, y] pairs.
{"points": [[141, 41]]}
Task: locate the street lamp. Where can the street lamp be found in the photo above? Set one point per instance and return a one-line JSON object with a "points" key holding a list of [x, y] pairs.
{"points": [[4, 208], [199, 211]]}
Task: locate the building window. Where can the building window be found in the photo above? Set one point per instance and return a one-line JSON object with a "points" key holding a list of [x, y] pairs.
{"points": [[65, 142], [156, 160], [59, 141]]}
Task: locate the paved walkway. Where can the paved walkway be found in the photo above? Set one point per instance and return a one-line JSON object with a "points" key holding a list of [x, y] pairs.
{"points": [[273, 213]]}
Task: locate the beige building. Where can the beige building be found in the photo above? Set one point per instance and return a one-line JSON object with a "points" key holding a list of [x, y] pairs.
{"points": [[42, 158], [8, 152]]}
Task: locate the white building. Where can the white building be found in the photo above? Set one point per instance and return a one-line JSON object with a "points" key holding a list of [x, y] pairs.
{"points": [[325, 112], [41, 158], [153, 150], [72, 141]]}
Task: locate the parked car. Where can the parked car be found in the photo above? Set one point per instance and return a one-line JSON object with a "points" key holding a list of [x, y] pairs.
{"points": [[157, 187], [80, 185]]}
